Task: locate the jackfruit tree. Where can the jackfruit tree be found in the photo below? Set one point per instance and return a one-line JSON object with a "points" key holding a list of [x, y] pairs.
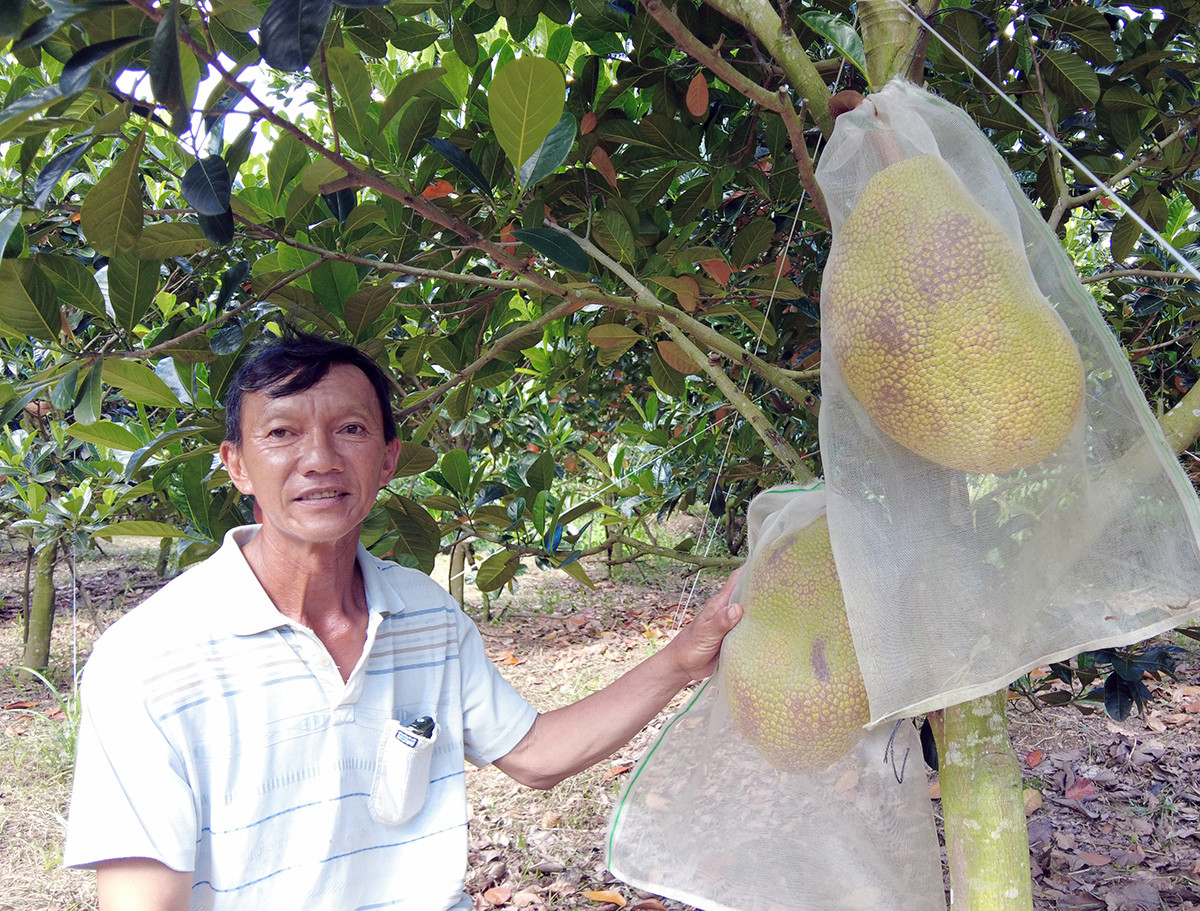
{"points": [[582, 235]]}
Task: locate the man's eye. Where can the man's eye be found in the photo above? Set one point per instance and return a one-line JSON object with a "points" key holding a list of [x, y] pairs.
{"points": [[354, 428], [277, 433]]}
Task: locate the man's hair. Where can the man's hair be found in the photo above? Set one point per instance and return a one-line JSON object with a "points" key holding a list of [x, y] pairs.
{"points": [[294, 363]]}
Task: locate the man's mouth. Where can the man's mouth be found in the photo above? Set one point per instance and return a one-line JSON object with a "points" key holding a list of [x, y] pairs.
{"points": [[322, 495]]}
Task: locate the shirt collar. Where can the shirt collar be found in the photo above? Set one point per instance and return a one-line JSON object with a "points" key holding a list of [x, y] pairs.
{"points": [[237, 592]]}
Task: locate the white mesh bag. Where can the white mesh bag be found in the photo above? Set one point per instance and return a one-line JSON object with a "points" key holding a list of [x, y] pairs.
{"points": [[710, 820], [999, 494]]}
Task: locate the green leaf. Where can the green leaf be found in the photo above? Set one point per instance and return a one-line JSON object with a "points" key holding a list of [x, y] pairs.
{"points": [[217, 228], [456, 469], [65, 391], [552, 152], [365, 306], [132, 284], [414, 459], [525, 101], [351, 79], [166, 71], [74, 283], [540, 475], [558, 248], [27, 301], [78, 70], [171, 238], [15, 114], [497, 571], [1123, 238], [840, 34], [105, 433], [666, 378], [752, 242], [91, 396], [613, 233], [1071, 79], [287, 159], [418, 122], [139, 383], [12, 14], [465, 44], [112, 212], [613, 337], [140, 528], [290, 32], [413, 36], [406, 89], [417, 534], [10, 221], [207, 185]]}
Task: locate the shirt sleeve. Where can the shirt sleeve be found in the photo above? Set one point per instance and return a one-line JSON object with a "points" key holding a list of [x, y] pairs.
{"points": [[131, 796], [495, 715]]}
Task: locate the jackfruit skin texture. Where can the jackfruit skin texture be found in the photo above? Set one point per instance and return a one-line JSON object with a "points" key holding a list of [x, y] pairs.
{"points": [[795, 689], [939, 330]]}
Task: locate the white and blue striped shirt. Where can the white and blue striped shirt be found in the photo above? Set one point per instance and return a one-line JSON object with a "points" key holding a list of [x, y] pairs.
{"points": [[218, 737]]}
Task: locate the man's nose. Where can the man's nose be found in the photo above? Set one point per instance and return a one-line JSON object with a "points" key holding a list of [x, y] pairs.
{"points": [[320, 453]]}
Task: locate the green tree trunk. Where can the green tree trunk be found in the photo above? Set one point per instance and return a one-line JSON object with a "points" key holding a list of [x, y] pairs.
{"points": [[458, 565], [41, 609], [987, 842]]}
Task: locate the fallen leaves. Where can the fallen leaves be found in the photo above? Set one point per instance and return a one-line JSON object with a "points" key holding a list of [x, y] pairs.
{"points": [[607, 895], [1081, 789]]}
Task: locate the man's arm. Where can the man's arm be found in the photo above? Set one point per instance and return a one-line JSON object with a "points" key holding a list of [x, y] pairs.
{"points": [[142, 884], [570, 739]]}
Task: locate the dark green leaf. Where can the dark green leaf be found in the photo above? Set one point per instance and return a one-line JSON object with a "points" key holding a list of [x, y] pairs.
{"points": [[414, 459], [217, 228], [456, 469], [112, 212], [461, 162], [12, 14], [91, 396], [552, 152], [341, 203], [1118, 697], [359, 4], [19, 111], [231, 282], [840, 34], [74, 283], [228, 340], [27, 301], [239, 149], [207, 186], [1070, 77], [417, 534], [752, 242], [418, 122], [558, 248], [364, 307], [540, 475], [497, 570], [132, 284], [78, 69], [413, 36], [62, 396], [10, 221], [166, 71], [291, 31], [53, 172]]}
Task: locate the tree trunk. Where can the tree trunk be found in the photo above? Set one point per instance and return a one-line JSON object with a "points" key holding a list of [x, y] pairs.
{"points": [[41, 609], [987, 841], [458, 565]]}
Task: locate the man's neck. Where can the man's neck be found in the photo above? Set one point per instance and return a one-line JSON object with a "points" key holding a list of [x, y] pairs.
{"points": [[321, 588]]}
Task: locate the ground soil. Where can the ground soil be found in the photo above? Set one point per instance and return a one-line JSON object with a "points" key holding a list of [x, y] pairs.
{"points": [[1114, 808]]}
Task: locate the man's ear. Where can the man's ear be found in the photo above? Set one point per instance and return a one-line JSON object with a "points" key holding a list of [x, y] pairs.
{"points": [[231, 457], [391, 459]]}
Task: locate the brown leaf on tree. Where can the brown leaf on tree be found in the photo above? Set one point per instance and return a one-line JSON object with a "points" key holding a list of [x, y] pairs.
{"points": [[718, 270], [587, 123], [697, 96], [602, 163]]}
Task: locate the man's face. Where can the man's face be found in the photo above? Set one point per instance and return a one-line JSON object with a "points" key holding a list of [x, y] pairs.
{"points": [[313, 461]]}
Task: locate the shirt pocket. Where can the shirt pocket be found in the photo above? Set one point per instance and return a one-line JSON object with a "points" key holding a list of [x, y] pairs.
{"points": [[401, 773]]}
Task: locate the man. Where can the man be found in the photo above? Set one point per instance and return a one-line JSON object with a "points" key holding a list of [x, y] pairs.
{"points": [[250, 735]]}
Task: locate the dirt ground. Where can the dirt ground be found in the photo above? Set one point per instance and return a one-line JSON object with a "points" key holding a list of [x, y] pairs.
{"points": [[1114, 821]]}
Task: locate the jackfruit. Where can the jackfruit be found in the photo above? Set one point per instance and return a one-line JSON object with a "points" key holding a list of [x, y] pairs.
{"points": [[795, 689], [933, 317]]}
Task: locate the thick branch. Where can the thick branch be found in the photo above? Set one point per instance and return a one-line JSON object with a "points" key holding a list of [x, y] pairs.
{"points": [[762, 21]]}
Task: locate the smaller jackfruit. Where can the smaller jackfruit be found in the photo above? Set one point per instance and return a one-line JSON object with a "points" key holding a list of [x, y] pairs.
{"points": [[931, 313], [795, 689]]}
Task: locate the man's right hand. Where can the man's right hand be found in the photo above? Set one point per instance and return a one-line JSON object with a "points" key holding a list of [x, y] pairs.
{"points": [[142, 884]]}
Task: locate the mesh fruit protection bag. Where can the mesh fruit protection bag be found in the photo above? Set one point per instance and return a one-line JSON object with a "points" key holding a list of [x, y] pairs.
{"points": [[999, 494], [765, 792]]}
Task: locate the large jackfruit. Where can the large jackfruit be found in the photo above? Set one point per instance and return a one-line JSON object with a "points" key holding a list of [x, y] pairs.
{"points": [[795, 689], [934, 319]]}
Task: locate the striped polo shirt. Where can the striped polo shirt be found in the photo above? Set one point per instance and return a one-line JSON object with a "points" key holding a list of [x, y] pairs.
{"points": [[218, 737]]}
